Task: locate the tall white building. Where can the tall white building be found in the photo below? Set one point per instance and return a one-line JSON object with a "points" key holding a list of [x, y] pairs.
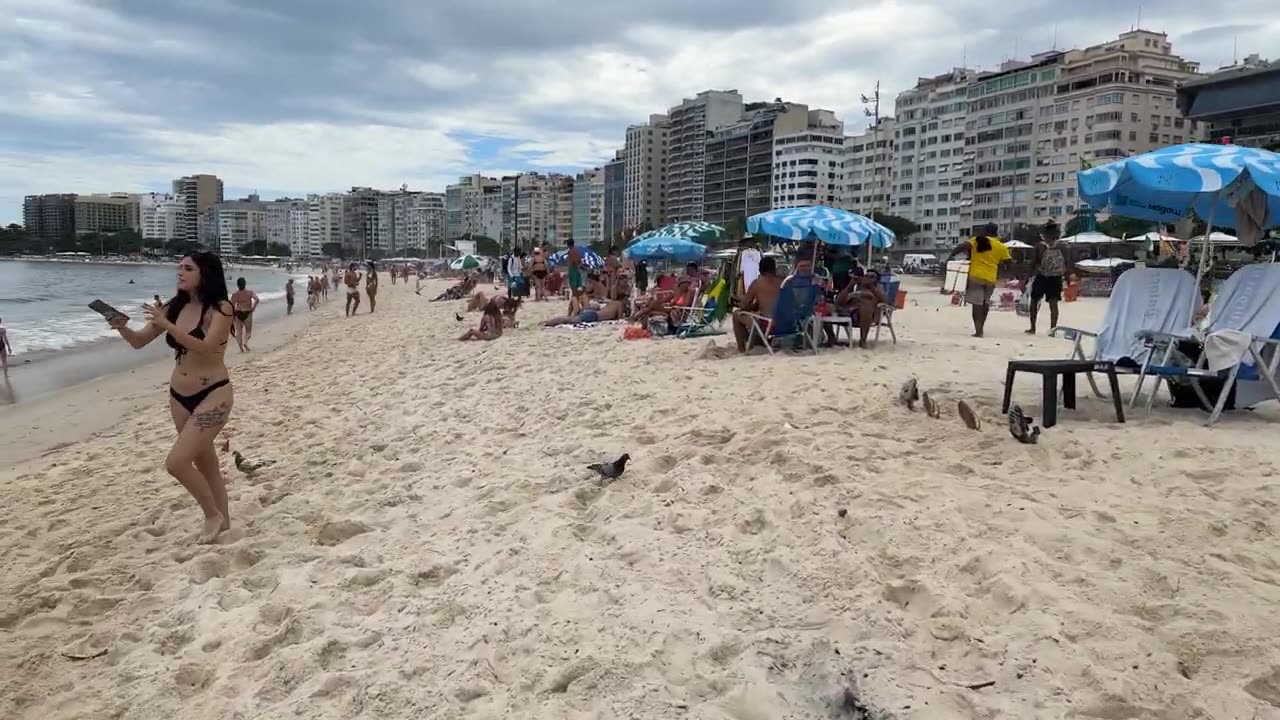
{"points": [[646, 154], [464, 203], [161, 217], [868, 169], [285, 223], [929, 167], [199, 194], [240, 222], [691, 121], [410, 220], [491, 212], [560, 213], [324, 222], [808, 166]]}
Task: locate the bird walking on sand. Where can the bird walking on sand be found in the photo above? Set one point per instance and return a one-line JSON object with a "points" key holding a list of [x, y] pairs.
{"points": [[249, 468], [610, 471]]}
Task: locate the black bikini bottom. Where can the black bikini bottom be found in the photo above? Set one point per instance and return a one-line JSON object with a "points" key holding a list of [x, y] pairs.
{"points": [[191, 402]]}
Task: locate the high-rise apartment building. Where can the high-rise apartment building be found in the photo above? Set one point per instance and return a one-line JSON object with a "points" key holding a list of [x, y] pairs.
{"points": [[238, 223], [324, 222], [161, 217], [588, 194], [533, 201], [690, 123], [646, 153], [738, 174], [1239, 104], [1031, 125], [106, 213], [199, 194], [285, 223], [424, 226], [491, 212], [464, 203], [808, 163], [868, 169], [360, 221], [50, 217], [615, 191], [928, 164], [560, 213]]}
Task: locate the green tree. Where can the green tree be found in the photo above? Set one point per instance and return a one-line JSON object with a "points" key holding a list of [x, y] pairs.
{"points": [[902, 228], [1121, 227], [334, 250], [485, 245]]}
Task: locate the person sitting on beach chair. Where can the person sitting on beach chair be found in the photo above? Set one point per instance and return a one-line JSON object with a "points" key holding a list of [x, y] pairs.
{"points": [[671, 306], [457, 292], [759, 300], [860, 300]]}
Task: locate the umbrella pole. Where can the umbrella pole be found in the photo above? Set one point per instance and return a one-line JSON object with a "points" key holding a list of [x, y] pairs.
{"points": [[1204, 259]]}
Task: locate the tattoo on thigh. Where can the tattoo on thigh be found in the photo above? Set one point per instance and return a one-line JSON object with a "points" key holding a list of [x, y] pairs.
{"points": [[207, 419]]}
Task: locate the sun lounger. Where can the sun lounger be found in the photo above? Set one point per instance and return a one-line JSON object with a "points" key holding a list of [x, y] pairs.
{"points": [[1144, 300], [793, 316], [1240, 344]]}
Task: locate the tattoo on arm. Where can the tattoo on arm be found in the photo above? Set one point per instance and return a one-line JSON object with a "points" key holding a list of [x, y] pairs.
{"points": [[208, 419]]}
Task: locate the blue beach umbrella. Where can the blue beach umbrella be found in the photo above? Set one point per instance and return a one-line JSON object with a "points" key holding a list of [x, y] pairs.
{"points": [[830, 225], [1227, 185], [590, 259], [665, 247]]}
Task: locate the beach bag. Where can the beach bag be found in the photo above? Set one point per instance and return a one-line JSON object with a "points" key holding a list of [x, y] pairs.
{"points": [[1023, 306]]}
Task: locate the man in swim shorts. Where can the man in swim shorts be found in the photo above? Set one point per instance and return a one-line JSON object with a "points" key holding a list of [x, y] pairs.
{"points": [[576, 278]]}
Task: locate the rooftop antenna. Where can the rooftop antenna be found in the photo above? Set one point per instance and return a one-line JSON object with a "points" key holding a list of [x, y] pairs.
{"points": [[1235, 49], [1139, 17], [1055, 37]]}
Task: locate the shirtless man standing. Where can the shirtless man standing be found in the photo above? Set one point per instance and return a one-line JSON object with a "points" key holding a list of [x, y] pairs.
{"points": [[352, 280], [243, 303], [759, 300]]}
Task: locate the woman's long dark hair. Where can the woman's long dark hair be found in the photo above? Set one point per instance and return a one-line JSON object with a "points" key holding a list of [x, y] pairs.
{"points": [[983, 243], [213, 286]]}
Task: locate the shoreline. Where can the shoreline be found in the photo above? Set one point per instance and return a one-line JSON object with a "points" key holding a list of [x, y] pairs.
{"points": [[100, 384]]}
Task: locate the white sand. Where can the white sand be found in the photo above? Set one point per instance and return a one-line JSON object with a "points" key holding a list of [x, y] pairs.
{"points": [[429, 546]]}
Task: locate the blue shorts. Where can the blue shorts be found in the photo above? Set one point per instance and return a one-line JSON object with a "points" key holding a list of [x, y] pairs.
{"points": [[588, 316]]}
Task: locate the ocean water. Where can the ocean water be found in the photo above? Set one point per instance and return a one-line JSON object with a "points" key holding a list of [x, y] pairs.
{"points": [[44, 305]]}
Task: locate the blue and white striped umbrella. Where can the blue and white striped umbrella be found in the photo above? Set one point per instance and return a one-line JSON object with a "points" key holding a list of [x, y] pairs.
{"points": [[664, 247], [590, 259], [1217, 181], [830, 225]]}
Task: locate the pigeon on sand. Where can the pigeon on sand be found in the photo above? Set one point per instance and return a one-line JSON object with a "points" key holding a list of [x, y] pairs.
{"points": [[610, 471], [249, 468]]}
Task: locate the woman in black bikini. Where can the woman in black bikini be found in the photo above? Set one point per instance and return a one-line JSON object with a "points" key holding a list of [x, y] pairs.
{"points": [[371, 287], [196, 323]]}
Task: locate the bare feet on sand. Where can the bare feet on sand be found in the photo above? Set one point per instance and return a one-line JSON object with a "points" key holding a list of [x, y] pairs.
{"points": [[213, 526]]}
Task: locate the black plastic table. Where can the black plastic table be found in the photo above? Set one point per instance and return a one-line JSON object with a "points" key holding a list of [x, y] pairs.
{"points": [[1050, 371]]}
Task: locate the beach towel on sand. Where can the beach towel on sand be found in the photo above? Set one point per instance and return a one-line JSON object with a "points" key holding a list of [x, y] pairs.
{"points": [[1150, 299]]}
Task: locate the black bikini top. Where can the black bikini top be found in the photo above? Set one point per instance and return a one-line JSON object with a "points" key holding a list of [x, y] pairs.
{"points": [[197, 332]]}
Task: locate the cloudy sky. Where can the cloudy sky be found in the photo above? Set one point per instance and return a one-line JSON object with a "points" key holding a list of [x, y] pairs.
{"points": [[297, 96]]}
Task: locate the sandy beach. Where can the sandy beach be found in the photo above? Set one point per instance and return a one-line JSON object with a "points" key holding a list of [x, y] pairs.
{"points": [[788, 537]]}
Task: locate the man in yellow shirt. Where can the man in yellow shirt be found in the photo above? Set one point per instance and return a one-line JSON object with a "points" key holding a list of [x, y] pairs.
{"points": [[985, 254]]}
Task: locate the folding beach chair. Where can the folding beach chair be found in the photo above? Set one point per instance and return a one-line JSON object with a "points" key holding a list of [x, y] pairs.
{"points": [[1238, 345], [793, 316], [1143, 301]]}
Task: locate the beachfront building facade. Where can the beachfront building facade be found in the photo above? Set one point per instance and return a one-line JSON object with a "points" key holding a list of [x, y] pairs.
{"points": [[199, 194], [645, 195], [928, 159], [490, 212], [240, 223], [285, 223], [1239, 104], [324, 223], [690, 122], [106, 213], [408, 220], [464, 203], [560, 212], [808, 165], [588, 196], [533, 202], [361, 231], [50, 217], [868, 169], [161, 217], [1032, 125], [613, 203]]}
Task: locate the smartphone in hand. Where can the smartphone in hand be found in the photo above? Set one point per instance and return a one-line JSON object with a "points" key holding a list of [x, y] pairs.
{"points": [[106, 311]]}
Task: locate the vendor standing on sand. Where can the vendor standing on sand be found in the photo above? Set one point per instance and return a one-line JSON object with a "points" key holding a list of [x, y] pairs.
{"points": [[985, 253]]}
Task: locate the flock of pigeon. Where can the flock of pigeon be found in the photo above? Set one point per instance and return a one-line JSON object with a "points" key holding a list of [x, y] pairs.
{"points": [[1020, 424]]}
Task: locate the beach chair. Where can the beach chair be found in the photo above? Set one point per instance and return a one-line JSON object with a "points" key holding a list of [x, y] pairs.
{"points": [[793, 316], [1143, 301], [1239, 345], [698, 320]]}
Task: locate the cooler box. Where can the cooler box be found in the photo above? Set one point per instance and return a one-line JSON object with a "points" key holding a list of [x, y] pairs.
{"points": [[895, 296]]}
